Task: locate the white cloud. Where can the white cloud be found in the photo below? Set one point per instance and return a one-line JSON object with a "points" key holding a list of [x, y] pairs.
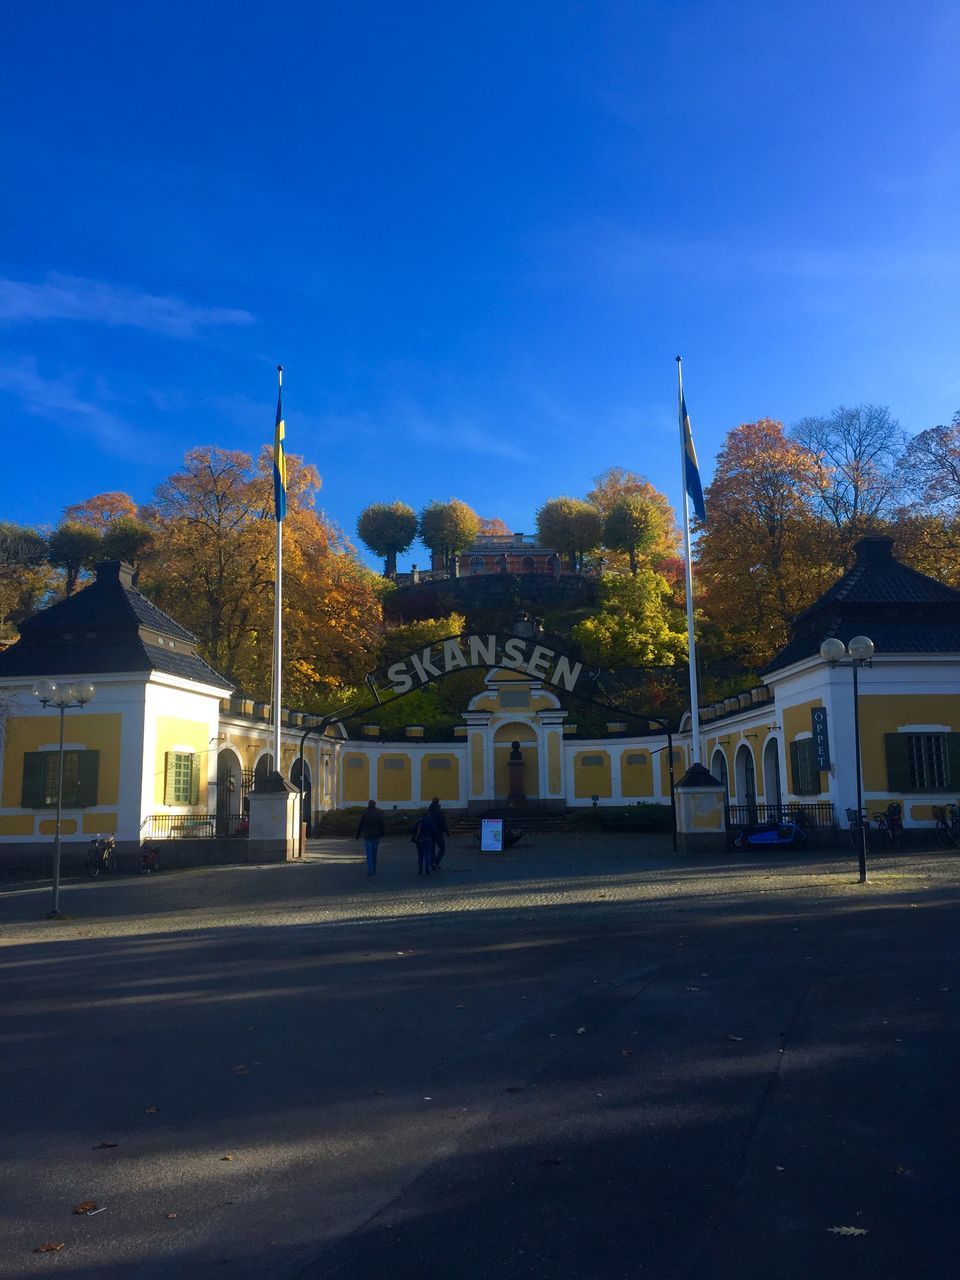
{"points": [[59, 400], [75, 298]]}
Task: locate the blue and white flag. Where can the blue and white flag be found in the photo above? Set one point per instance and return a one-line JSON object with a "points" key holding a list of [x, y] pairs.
{"points": [[691, 471]]}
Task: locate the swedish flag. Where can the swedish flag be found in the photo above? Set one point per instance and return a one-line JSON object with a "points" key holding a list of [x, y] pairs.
{"points": [[279, 456], [691, 471]]}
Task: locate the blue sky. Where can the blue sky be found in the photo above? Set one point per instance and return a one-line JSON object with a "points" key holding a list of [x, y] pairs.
{"points": [[476, 235]]}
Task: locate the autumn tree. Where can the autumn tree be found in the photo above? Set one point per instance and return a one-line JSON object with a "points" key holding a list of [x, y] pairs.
{"points": [[73, 548], [765, 554], [25, 576], [408, 637], [616, 483], [447, 528], [493, 527], [101, 510], [212, 568], [637, 623], [570, 526], [387, 529], [855, 451]]}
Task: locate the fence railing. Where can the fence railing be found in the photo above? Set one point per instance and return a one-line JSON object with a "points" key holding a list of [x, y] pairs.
{"points": [[184, 826], [819, 814]]}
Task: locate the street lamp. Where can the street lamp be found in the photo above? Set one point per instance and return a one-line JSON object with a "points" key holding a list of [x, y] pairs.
{"points": [[63, 697], [860, 650]]}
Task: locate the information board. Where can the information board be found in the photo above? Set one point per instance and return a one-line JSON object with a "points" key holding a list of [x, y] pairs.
{"points": [[491, 835]]}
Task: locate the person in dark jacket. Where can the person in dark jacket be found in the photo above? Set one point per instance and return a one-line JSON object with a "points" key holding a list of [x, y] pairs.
{"points": [[440, 827], [424, 837], [371, 827]]}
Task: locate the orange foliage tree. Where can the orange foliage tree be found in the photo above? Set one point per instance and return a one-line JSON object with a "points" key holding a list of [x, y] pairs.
{"points": [[212, 568], [765, 554]]}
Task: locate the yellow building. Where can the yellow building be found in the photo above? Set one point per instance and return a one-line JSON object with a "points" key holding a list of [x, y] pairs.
{"points": [[165, 749]]}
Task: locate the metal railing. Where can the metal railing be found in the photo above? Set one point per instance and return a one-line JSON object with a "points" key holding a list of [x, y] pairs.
{"points": [[819, 814], [183, 826]]}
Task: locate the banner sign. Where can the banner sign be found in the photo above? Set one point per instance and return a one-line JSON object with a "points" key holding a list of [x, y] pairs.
{"points": [[461, 652], [821, 737], [491, 835]]}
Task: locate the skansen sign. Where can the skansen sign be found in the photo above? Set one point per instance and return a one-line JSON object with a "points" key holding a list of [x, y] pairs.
{"points": [[462, 652]]}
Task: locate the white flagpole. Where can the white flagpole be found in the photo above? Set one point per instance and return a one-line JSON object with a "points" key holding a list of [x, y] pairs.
{"points": [[688, 566], [277, 621]]}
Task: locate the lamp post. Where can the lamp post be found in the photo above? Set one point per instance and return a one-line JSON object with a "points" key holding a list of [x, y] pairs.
{"points": [[63, 697], [860, 650]]}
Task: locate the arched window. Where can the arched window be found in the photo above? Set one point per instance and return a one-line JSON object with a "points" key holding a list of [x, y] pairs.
{"points": [[718, 768], [528, 564], [476, 565]]}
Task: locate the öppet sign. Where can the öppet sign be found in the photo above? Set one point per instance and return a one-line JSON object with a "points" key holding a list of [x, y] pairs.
{"points": [[821, 737]]}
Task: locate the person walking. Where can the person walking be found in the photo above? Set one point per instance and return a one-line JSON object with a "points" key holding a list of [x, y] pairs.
{"points": [[371, 826], [438, 818], [424, 837]]}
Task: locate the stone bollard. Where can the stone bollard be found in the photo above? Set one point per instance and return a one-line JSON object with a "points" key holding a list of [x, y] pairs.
{"points": [[701, 819]]}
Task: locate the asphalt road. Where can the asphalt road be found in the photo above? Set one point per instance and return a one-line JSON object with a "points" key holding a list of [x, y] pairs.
{"points": [[584, 1059]]}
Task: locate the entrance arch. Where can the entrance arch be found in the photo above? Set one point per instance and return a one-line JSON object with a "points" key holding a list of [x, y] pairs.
{"points": [[229, 791], [745, 776], [718, 767], [262, 769], [306, 808]]}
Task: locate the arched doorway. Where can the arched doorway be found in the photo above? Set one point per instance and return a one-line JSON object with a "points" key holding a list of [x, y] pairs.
{"points": [[264, 767], [504, 736], [307, 806], [772, 791], [746, 780], [718, 767], [229, 791]]}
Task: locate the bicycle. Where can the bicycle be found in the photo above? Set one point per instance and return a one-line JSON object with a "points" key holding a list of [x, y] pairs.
{"points": [[859, 829], [948, 824], [100, 856], [890, 823]]}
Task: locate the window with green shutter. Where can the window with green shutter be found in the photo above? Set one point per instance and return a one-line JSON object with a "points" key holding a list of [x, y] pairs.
{"points": [[181, 778], [803, 767], [81, 770], [923, 761]]}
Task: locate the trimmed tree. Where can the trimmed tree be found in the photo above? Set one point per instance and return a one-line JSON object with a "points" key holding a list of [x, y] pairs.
{"points": [[633, 524], [571, 526], [73, 548], [447, 528], [387, 529]]}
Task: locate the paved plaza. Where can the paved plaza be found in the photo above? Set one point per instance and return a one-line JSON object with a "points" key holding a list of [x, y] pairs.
{"points": [[583, 1059]]}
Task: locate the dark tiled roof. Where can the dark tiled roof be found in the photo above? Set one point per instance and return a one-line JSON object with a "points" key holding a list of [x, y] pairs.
{"points": [[106, 628], [888, 638], [110, 600], [119, 657], [902, 611]]}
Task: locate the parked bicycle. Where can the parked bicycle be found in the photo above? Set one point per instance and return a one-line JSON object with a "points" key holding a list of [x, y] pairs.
{"points": [[859, 828], [948, 824], [890, 822], [149, 859], [100, 855]]}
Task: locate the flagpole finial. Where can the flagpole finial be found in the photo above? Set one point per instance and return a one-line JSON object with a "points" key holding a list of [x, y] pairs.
{"points": [[280, 367], [678, 360]]}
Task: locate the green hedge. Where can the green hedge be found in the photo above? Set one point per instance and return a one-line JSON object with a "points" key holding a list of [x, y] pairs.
{"points": [[343, 822], [636, 817]]}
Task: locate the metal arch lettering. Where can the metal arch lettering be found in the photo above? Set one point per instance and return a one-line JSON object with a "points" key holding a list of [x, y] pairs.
{"points": [[457, 653]]}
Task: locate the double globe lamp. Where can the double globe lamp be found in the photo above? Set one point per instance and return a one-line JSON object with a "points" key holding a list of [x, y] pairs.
{"points": [[63, 696], [860, 650]]}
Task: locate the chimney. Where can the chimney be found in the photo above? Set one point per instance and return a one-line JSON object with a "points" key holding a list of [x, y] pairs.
{"points": [[874, 551], [115, 571]]}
